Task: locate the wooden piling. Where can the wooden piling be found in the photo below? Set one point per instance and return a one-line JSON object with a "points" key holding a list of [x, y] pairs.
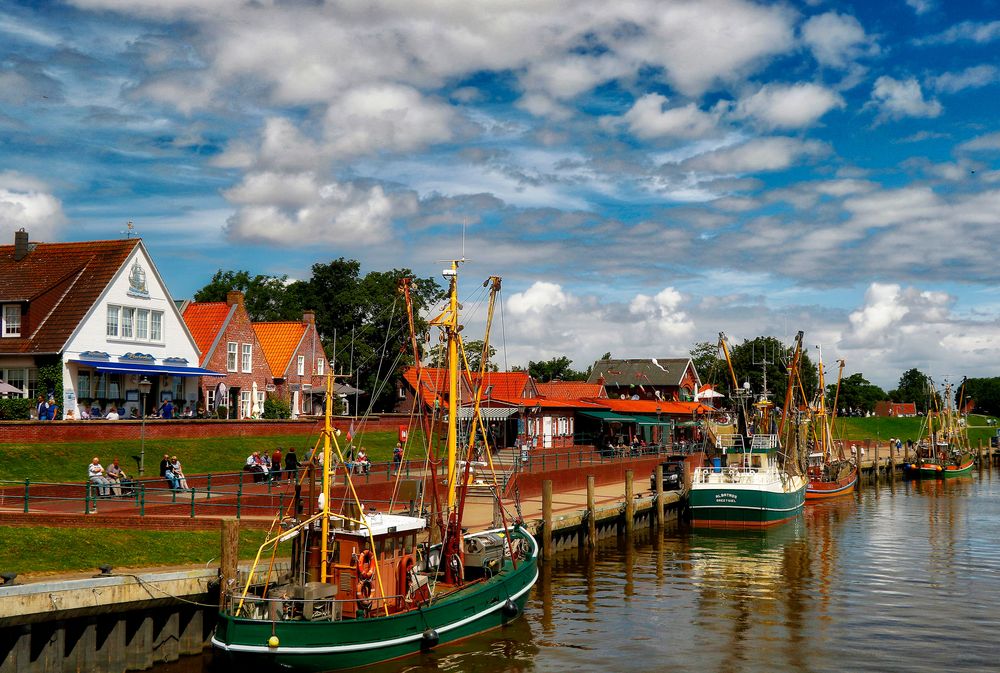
{"points": [[980, 459], [229, 558], [591, 514], [658, 498], [875, 464], [629, 504], [547, 519]]}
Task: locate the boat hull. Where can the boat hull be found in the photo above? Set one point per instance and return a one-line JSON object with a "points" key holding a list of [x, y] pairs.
{"points": [[934, 470], [822, 490], [722, 505], [337, 645]]}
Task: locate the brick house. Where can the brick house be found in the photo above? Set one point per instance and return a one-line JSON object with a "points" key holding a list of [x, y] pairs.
{"points": [[896, 409], [294, 352], [229, 344], [101, 312]]}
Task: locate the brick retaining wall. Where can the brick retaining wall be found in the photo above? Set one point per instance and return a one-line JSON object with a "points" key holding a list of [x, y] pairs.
{"points": [[31, 432]]}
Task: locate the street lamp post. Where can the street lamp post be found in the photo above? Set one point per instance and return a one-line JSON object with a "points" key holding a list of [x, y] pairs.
{"points": [[144, 387]]}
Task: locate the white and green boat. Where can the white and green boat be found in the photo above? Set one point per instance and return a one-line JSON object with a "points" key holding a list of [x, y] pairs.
{"points": [[753, 484], [752, 490], [361, 587]]}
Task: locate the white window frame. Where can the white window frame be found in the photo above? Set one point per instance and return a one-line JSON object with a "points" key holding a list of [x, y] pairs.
{"points": [[245, 407], [116, 311], [142, 324], [231, 351], [156, 320], [209, 400], [11, 328], [246, 359], [128, 315], [320, 367], [301, 369]]}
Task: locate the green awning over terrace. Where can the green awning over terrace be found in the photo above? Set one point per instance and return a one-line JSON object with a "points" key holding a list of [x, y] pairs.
{"points": [[609, 416]]}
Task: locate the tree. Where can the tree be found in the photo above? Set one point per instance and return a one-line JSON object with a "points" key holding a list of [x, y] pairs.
{"points": [[856, 392], [985, 394], [555, 369], [753, 357], [437, 355], [266, 298], [914, 386], [711, 368]]}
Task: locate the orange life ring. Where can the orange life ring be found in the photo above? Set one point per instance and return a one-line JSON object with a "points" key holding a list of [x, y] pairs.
{"points": [[364, 595], [366, 565]]}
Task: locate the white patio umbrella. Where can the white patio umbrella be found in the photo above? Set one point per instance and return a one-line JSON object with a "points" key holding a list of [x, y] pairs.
{"points": [[6, 388], [255, 409]]}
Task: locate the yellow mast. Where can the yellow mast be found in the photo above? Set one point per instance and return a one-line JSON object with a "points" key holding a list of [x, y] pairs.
{"points": [[449, 321], [327, 459]]}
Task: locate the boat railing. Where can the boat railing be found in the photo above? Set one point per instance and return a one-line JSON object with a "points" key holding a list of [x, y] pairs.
{"points": [[284, 608], [731, 474]]}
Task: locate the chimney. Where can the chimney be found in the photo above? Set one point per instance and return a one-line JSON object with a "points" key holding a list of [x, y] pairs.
{"points": [[234, 297], [309, 317], [20, 244]]}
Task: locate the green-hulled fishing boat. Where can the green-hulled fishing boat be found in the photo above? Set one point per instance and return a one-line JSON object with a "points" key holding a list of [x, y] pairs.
{"points": [[946, 451], [759, 485], [361, 587]]}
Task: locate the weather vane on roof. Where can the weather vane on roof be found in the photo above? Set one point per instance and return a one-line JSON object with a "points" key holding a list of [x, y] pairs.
{"points": [[130, 230]]}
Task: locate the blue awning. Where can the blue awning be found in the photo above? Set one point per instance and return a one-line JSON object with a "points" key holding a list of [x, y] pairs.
{"points": [[140, 368]]}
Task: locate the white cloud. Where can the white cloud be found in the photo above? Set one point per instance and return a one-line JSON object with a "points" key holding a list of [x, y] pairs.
{"points": [[836, 40], [299, 210], [647, 118], [541, 105], [920, 6], [761, 154], [881, 312], [778, 106], [989, 142], [25, 202], [902, 98], [660, 316], [970, 78], [386, 117], [967, 31]]}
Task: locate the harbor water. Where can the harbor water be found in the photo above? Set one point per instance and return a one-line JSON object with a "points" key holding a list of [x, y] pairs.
{"points": [[902, 577]]}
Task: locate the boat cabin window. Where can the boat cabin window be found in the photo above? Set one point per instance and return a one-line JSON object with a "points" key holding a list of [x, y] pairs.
{"points": [[411, 542], [390, 546], [758, 461], [379, 548]]}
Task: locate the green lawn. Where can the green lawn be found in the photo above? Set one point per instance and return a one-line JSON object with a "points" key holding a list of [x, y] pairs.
{"points": [[61, 462], [904, 428], [34, 550]]}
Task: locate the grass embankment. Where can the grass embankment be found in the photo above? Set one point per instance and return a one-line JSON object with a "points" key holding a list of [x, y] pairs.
{"points": [[47, 550], [882, 429], [63, 462]]}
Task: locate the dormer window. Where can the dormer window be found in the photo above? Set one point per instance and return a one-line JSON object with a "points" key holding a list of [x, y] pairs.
{"points": [[12, 320]]}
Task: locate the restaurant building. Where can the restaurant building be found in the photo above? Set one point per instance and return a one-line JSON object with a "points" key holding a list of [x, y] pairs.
{"points": [[86, 322]]}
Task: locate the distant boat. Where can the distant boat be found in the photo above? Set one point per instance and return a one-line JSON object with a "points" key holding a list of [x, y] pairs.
{"points": [[361, 588], [944, 451], [829, 476], [759, 485]]}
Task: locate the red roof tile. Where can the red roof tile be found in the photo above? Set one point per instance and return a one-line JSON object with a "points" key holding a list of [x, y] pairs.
{"points": [[60, 282], [204, 319], [570, 390], [279, 341], [506, 386]]}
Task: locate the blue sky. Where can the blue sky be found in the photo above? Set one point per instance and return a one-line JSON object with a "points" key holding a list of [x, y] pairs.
{"points": [[643, 174]]}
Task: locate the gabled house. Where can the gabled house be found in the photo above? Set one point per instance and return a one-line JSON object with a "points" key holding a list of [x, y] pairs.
{"points": [[229, 344], [665, 379], [294, 352], [896, 409], [99, 313]]}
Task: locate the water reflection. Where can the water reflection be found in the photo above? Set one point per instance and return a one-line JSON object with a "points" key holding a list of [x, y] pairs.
{"points": [[901, 578]]}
